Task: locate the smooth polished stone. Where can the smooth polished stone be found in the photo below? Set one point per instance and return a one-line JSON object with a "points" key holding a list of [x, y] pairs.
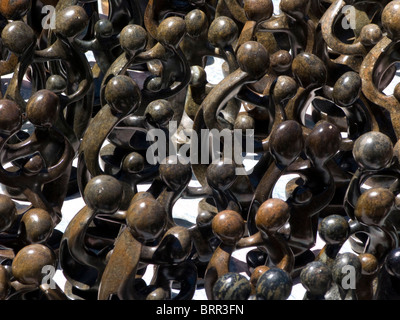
{"points": [[232, 286]]}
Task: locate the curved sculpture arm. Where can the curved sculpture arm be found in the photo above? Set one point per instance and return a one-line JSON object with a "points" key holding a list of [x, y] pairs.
{"points": [[370, 90], [119, 274], [327, 23]]}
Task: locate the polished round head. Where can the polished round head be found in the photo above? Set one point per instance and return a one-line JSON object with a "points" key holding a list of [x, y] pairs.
{"points": [[27, 266], [392, 263], [281, 61], [228, 226], [244, 122], [18, 37], [374, 205], [253, 59], [232, 286], [198, 76], [103, 28], [36, 226], [8, 212], [309, 70], [133, 38], [334, 229], [174, 173], [175, 246], [373, 150], [344, 264], [133, 163], [258, 10], [10, 117], [285, 88], [146, 219], [286, 142], [171, 31], [391, 19], [141, 195], [153, 83], [14, 9], [316, 278], [159, 112], [274, 284], [369, 263], [323, 142], [42, 108], [347, 89], [272, 215], [221, 174], [103, 194], [223, 32], [370, 35], [196, 22], [158, 294], [71, 21], [122, 94], [297, 9], [56, 83]]}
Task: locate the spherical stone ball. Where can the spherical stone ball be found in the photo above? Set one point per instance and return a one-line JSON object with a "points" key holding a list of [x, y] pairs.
{"points": [[274, 284], [316, 277], [103, 193], [373, 150], [232, 286], [29, 262]]}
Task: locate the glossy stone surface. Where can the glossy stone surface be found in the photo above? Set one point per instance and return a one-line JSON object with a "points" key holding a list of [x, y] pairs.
{"points": [[146, 219], [272, 215], [103, 194], [222, 32], [229, 226], [10, 116], [122, 94], [41, 109], [374, 205], [346, 260], [14, 10], [171, 30], [392, 262], [369, 263], [71, 21], [37, 225], [232, 286], [390, 16], [21, 31], [274, 284], [309, 69], [316, 277], [334, 229], [373, 150], [8, 212], [347, 89], [286, 142], [28, 264], [133, 38], [253, 58]]}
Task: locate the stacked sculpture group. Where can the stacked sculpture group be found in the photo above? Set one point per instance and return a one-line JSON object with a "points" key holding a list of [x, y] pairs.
{"points": [[304, 87]]}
